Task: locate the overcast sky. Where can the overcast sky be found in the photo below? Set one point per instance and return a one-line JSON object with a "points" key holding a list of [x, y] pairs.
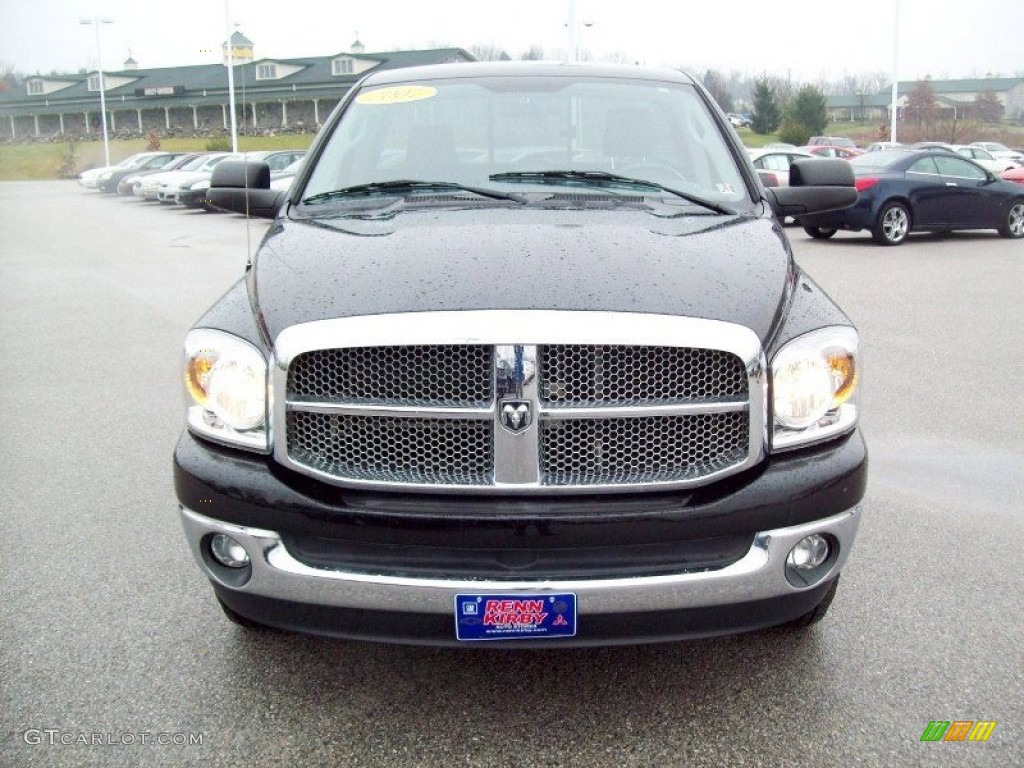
{"points": [[801, 39]]}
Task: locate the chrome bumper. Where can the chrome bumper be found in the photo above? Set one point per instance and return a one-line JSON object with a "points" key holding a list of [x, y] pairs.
{"points": [[758, 575]]}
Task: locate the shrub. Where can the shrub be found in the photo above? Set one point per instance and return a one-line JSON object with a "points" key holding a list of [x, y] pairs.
{"points": [[68, 167], [219, 144], [152, 141], [793, 132]]}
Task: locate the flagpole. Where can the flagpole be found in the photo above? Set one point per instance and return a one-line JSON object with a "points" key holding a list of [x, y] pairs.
{"points": [[231, 77]]}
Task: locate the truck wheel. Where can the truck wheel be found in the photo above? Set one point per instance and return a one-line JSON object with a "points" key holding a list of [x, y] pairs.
{"points": [[238, 618], [893, 224], [1014, 224], [820, 233], [817, 613]]}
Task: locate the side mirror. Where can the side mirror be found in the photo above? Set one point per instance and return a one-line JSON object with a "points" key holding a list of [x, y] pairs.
{"points": [[815, 186], [244, 187]]}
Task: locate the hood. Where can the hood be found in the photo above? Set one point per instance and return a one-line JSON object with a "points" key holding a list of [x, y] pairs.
{"points": [[737, 269]]}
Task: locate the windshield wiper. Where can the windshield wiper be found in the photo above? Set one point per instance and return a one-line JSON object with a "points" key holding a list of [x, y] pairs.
{"points": [[601, 177], [408, 185]]}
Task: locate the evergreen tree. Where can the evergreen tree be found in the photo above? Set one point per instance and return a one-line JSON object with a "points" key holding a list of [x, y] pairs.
{"points": [[767, 115], [808, 109], [987, 107]]}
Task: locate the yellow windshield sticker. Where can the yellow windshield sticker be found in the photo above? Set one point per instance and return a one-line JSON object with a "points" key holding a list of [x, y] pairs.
{"points": [[398, 94]]}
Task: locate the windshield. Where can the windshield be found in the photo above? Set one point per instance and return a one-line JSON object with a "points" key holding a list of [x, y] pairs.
{"points": [[479, 132], [194, 163]]}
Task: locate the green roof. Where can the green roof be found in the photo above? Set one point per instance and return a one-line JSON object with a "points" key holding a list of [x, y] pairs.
{"points": [[208, 83]]}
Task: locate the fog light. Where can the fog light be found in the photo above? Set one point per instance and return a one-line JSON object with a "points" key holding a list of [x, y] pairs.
{"points": [[227, 551], [809, 553]]}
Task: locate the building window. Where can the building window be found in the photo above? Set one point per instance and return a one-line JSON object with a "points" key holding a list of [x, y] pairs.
{"points": [[94, 83], [35, 87], [266, 72], [342, 67]]}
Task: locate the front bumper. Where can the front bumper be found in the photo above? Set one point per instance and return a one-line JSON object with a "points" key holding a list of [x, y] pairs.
{"points": [[280, 590], [265, 508]]}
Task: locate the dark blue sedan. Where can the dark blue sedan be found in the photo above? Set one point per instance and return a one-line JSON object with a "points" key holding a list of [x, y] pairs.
{"points": [[904, 191]]}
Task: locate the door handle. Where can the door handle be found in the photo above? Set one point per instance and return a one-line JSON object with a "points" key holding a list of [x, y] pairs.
{"points": [[951, 184]]}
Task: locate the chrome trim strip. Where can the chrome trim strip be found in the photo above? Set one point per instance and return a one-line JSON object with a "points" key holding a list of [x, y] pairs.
{"points": [[402, 411], [254, 440], [639, 411], [516, 453], [760, 574], [510, 328]]}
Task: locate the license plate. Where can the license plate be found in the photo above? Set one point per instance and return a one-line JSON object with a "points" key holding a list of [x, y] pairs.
{"points": [[514, 617]]}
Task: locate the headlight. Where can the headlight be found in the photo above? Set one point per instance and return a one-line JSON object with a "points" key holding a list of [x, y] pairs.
{"points": [[226, 385], [814, 387]]}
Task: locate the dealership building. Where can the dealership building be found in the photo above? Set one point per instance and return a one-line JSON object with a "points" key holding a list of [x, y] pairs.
{"points": [[270, 94]]}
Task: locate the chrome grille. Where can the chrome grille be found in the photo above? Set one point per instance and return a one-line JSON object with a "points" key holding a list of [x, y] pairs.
{"points": [[576, 374], [641, 450], [398, 450], [672, 403], [454, 374]]}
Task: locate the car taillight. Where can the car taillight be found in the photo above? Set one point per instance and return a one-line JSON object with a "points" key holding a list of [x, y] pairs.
{"points": [[865, 182]]}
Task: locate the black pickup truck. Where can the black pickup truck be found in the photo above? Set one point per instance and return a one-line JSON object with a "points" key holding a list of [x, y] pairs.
{"points": [[524, 360]]}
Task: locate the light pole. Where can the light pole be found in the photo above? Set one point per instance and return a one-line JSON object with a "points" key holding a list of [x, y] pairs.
{"points": [[96, 21], [895, 70]]}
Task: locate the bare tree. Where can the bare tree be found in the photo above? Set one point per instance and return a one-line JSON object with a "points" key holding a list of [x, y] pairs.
{"points": [[718, 87], [921, 106], [533, 53], [488, 52]]}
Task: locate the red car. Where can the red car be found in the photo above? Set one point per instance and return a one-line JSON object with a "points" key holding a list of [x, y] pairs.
{"points": [[1014, 174]]}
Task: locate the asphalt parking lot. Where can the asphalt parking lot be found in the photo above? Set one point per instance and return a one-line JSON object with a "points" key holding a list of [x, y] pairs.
{"points": [[108, 630]]}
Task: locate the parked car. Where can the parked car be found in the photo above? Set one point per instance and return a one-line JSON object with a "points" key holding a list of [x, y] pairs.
{"points": [[551, 379], [777, 161], [824, 150], [108, 180], [126, 186], [192, 194], [832, 141], [1015, 175], [149, 186], [877, 146], [738, 120], [983, 158], [1000, 150], [904, 191], [90, 178]]}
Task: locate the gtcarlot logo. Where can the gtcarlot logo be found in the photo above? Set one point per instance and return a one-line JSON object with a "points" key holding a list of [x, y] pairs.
{"points": [[54, 737], [958, 730]]}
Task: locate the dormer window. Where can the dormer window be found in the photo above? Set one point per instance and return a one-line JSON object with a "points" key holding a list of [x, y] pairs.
{"points": [[266, 72], [93, 83], [342, 67], [35, 87]]}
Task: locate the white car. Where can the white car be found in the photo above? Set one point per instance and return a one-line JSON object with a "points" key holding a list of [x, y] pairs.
{"points": [[999, 150], [777, 162], [89, 179], [149, 188], [984, 158]]}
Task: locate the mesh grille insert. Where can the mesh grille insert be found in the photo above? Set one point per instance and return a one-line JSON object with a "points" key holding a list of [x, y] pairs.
{"points": [[639, 450], [435, 374], [573, 374], [396, 450]]}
